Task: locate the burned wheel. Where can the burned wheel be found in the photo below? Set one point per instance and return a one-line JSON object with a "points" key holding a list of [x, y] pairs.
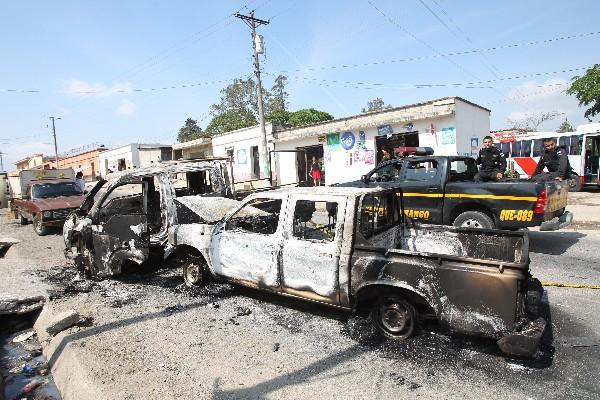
{"points": [[38, 227], [474, 220], [394, 317], [193, 270]]}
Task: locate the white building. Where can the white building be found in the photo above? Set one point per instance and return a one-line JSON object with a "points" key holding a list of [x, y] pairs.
{"points": [[350, 147], [243, 147], [197, 148], [133, 155]]}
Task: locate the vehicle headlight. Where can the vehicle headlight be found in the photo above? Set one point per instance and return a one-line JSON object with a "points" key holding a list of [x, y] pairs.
{"points": [[47, 214]]}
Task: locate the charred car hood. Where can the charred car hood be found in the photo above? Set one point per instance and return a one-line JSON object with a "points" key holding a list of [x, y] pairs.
{"points": [[210, 209], [58, 203]]}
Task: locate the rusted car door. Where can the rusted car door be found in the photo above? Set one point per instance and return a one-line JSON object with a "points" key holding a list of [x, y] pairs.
{"points": [[246, 246], [120, 229], [311, 252]]}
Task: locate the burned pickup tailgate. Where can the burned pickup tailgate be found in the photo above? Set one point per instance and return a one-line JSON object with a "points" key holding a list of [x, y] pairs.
{"points": [[554, 214], [472, 281]]}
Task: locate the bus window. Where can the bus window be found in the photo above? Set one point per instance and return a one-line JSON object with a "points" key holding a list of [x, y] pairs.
{"points": [[516, 149], [538, 148], [564, 141], [526, 148], [576, 142], [505, 148]]}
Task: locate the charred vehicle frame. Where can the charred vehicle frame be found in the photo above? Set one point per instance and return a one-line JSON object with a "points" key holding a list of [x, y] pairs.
{"points": [[354, 249], [126, 220]]}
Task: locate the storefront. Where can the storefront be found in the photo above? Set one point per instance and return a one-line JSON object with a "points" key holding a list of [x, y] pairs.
{"points": [[350, 147]]}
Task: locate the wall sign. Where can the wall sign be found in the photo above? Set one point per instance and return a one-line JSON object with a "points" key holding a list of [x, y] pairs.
{"points": [[348, 140], [384, 130], [242, 158], [449, 135], [333, 139], [409, 126], [321, 138]]}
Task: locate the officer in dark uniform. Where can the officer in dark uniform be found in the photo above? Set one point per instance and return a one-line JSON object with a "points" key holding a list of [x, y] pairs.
{"points": [[555, 160], [492, 161]]}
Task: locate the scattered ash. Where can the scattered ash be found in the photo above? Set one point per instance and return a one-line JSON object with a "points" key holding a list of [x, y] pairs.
{"points": [[65, 281]]}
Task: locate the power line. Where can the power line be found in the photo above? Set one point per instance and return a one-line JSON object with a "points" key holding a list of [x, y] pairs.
{"points": [[433, 56], [405, 85], [473, 84]]}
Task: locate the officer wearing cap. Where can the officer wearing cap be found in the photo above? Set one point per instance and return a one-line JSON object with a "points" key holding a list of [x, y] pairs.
{"points": [[492, 161], [555, 160]]}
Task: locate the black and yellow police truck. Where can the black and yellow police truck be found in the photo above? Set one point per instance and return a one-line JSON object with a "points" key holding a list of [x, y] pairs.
{"points": [[441, 190]]}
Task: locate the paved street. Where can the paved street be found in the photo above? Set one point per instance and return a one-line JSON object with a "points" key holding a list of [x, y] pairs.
{"points": [[152, 338]]}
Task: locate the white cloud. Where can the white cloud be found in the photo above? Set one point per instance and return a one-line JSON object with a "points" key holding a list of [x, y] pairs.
{"points": [[127, 107], [78, 88], [545, 96]]}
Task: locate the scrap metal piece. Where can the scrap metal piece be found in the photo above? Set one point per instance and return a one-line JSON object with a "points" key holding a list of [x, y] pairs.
{"points": [[20, 305]]}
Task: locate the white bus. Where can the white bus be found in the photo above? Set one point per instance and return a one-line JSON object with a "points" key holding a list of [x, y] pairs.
{"points": [[583, 147]]}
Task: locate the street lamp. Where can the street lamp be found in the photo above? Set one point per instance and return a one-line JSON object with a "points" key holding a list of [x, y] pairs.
{"points": [[54, 134]]}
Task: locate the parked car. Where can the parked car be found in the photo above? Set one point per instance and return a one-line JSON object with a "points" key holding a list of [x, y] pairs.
{"points": [[441, 190], [351, 248], [45, 197]]}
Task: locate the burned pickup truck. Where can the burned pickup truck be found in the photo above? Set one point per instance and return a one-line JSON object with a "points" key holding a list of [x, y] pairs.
{"points": [[353, 249], [126, 219]]}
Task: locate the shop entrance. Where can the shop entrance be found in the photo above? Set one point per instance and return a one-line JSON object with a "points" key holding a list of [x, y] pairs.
{"points": [[408, 139], [304, 161]]}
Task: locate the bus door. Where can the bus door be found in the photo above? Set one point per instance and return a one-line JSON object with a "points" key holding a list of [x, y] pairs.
{"points": [[591, 159]]}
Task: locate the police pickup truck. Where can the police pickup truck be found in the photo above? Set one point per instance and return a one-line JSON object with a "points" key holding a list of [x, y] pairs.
{"points": [[441, 190], [351, 249]]}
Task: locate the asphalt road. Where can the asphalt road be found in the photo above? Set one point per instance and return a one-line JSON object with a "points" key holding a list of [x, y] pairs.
{"points": [[152, 338]]}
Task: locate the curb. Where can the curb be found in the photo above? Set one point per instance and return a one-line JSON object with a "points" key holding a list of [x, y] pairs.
{"points": [[64, 360]]}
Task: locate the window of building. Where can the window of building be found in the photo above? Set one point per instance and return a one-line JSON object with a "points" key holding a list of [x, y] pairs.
{"points": [[255, 162], [315, 220]]}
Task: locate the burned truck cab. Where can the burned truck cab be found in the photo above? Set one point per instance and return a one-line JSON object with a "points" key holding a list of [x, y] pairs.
{"points": [[126, 219]]}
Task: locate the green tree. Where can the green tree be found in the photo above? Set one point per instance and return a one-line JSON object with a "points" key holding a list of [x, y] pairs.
{"points": [[565, 127], [587, 90], [240, 96], [276, 99], [189, 131], [377, 104], [278, 116], [230, 120], [308, 116]]}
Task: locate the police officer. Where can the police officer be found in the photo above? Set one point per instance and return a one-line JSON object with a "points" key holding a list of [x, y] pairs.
{"points": [[555, 160], [492, 161]]}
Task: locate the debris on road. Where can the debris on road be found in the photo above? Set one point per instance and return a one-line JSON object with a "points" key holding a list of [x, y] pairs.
{"points": [[20, 305], [62, 321], [5, 244], [24, 336]]}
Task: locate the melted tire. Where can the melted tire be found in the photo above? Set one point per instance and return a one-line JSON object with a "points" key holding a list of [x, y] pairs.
{"points": [[394, 318], [193, 270]]}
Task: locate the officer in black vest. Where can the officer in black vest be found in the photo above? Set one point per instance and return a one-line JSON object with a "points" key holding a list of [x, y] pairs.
{"points": [[492, 161], [555, 160]]}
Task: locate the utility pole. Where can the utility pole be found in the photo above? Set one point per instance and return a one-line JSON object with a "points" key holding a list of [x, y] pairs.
{"points": [[54, 134], [252, 23]]}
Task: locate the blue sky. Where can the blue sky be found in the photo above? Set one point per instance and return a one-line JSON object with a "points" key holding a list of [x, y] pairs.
{"points": [[338, 55]]}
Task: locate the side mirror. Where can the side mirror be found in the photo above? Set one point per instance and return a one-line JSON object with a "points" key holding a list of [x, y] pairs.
{"points": [[365, 179]]}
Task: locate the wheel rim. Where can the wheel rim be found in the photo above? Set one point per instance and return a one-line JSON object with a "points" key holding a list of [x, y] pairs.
{"points": [[572, 183], [396, 318], [192, 274], [471, 223]]}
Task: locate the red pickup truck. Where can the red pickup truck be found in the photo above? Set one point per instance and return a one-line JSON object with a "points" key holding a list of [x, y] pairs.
{"points": [[47, 204]]}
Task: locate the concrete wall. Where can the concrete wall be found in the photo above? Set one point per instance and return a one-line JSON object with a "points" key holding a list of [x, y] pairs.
{"points": [[148, 157], [241, 141], [471, 123], [109, 159]]}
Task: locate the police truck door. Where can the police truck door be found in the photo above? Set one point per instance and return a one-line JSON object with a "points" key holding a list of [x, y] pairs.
{"points": [[423, 192]]}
